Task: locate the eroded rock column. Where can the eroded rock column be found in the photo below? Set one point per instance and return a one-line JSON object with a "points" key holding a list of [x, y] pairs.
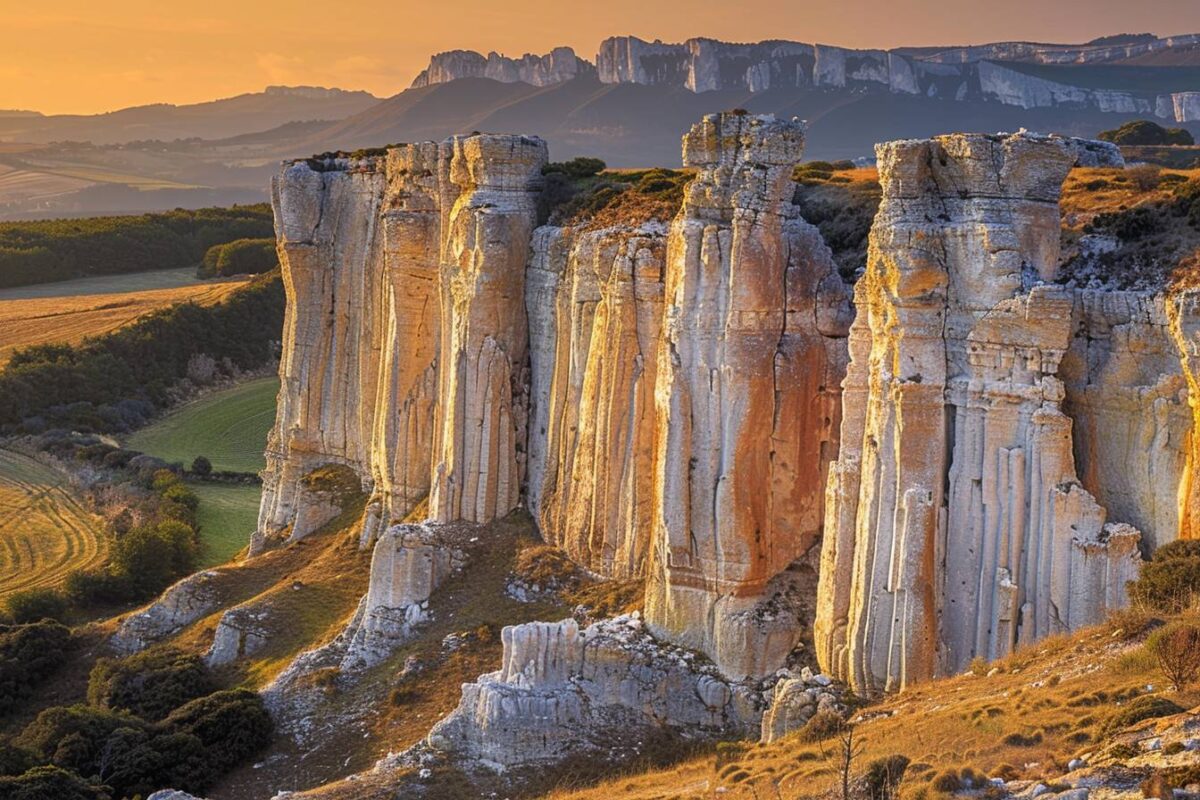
{"points": [[488, 208], [957, 526], [594, 300], [746, 399]]}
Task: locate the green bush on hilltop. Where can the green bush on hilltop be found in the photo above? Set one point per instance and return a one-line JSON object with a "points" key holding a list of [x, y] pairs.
{"points": [[1170, 580], [239, 257], [1145, 132]]}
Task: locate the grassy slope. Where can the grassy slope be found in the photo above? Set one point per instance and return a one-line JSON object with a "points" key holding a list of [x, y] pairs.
{"points": [[228, 427], [69, 311], [1056, 695], [44, 532], [227, 517]]}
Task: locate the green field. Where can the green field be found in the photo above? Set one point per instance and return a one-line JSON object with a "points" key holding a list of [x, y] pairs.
{"points": [[227, 516], [229, 428]]}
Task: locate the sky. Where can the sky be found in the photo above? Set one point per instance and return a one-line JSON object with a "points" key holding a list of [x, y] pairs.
{"points": [[89, 56]]}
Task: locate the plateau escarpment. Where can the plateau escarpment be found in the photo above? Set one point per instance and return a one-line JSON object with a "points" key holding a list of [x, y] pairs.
{"points": [[972, 455], [957, 525]]}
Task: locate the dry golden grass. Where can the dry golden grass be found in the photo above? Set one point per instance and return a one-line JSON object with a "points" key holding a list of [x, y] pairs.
{"points": [[44, 531], [1088, 192], [1043, 706], [26, 321]]}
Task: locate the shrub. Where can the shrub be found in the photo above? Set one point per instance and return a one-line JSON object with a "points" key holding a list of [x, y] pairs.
{"points": [[28, 655], [883, 775], [576, 168], [1170, 579], [50, 783], [1176, 648], [822, 725], [1142, 708], [33, 605], [152, 556], [202, 466], [239, 257], [231, 725], [150, 684], [1145, 132]]}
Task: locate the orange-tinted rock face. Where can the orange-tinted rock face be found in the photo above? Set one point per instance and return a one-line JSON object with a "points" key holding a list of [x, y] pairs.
{"points": [[594, 300], [956, 526], [751, 355], [405, 341]]}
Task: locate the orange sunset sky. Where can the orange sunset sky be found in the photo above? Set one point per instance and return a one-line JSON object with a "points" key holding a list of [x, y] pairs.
{"points": [[72, 56]]}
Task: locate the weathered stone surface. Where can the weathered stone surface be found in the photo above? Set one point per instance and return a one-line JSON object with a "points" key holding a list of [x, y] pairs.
{"points": [[560, 64], [562, 690], [796, 699], [241, 632], [180, 605], [957, 525], [747, 398], [405, 319], [482, 408], [594, 300], [409, 562], [956, 73]]}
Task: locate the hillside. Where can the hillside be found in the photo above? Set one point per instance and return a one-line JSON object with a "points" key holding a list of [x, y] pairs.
{"points": [[74, 310], [215, 119], [633, 125]]}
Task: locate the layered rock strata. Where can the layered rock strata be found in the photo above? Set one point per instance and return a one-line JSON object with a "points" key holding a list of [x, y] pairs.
{"points": [[956, 524], [404, 340], [747, 402], [560, 64], [594, 300], [562, 690]]}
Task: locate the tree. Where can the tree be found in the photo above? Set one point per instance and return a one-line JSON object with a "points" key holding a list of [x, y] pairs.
{"points": [[202, 466], [1176, 648]]}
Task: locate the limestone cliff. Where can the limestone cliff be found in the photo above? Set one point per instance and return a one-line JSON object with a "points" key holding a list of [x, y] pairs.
{"points": [[747, 398], [594, 300], [957, 526], [404, 277]]}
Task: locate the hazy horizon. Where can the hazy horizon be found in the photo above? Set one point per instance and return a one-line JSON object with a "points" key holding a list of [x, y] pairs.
{"points": [[83, 59]]}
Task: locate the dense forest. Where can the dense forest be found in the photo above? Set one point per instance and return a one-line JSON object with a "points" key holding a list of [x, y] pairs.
{"points": [[61, 249], [116, 382]]}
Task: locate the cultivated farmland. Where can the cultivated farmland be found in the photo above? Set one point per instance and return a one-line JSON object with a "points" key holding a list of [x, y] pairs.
{"points": [[44, 532], [68, 311]]}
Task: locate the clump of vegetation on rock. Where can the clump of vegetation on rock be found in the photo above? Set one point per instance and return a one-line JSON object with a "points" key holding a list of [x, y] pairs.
{"points": [[574, 194], [29, 654], [1176, 648], [1145, 132], [1170, 580], [150, 684]]}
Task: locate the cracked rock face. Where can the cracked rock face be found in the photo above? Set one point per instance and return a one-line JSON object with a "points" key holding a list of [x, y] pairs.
{"points": [[405, 340], [180, 605], [594, 300], [562, 690], [957, 526], [747, 397]]}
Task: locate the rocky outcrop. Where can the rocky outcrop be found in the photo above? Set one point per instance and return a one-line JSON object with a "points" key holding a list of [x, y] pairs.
{"points": [[796, 699], [404, 341], [409, 562], [594, 300], [987, 72], [562, 690], [747, 399], [957, 526], [180, 605], [482, 407], [560, 64]]}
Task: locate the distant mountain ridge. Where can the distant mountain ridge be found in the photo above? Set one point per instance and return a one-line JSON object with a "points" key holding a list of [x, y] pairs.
{"points": [[214, 119], [988, 71]]}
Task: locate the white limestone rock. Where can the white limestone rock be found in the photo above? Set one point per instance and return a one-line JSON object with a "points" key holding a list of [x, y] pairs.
{"points": [[180, 605], [955, 513]]}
